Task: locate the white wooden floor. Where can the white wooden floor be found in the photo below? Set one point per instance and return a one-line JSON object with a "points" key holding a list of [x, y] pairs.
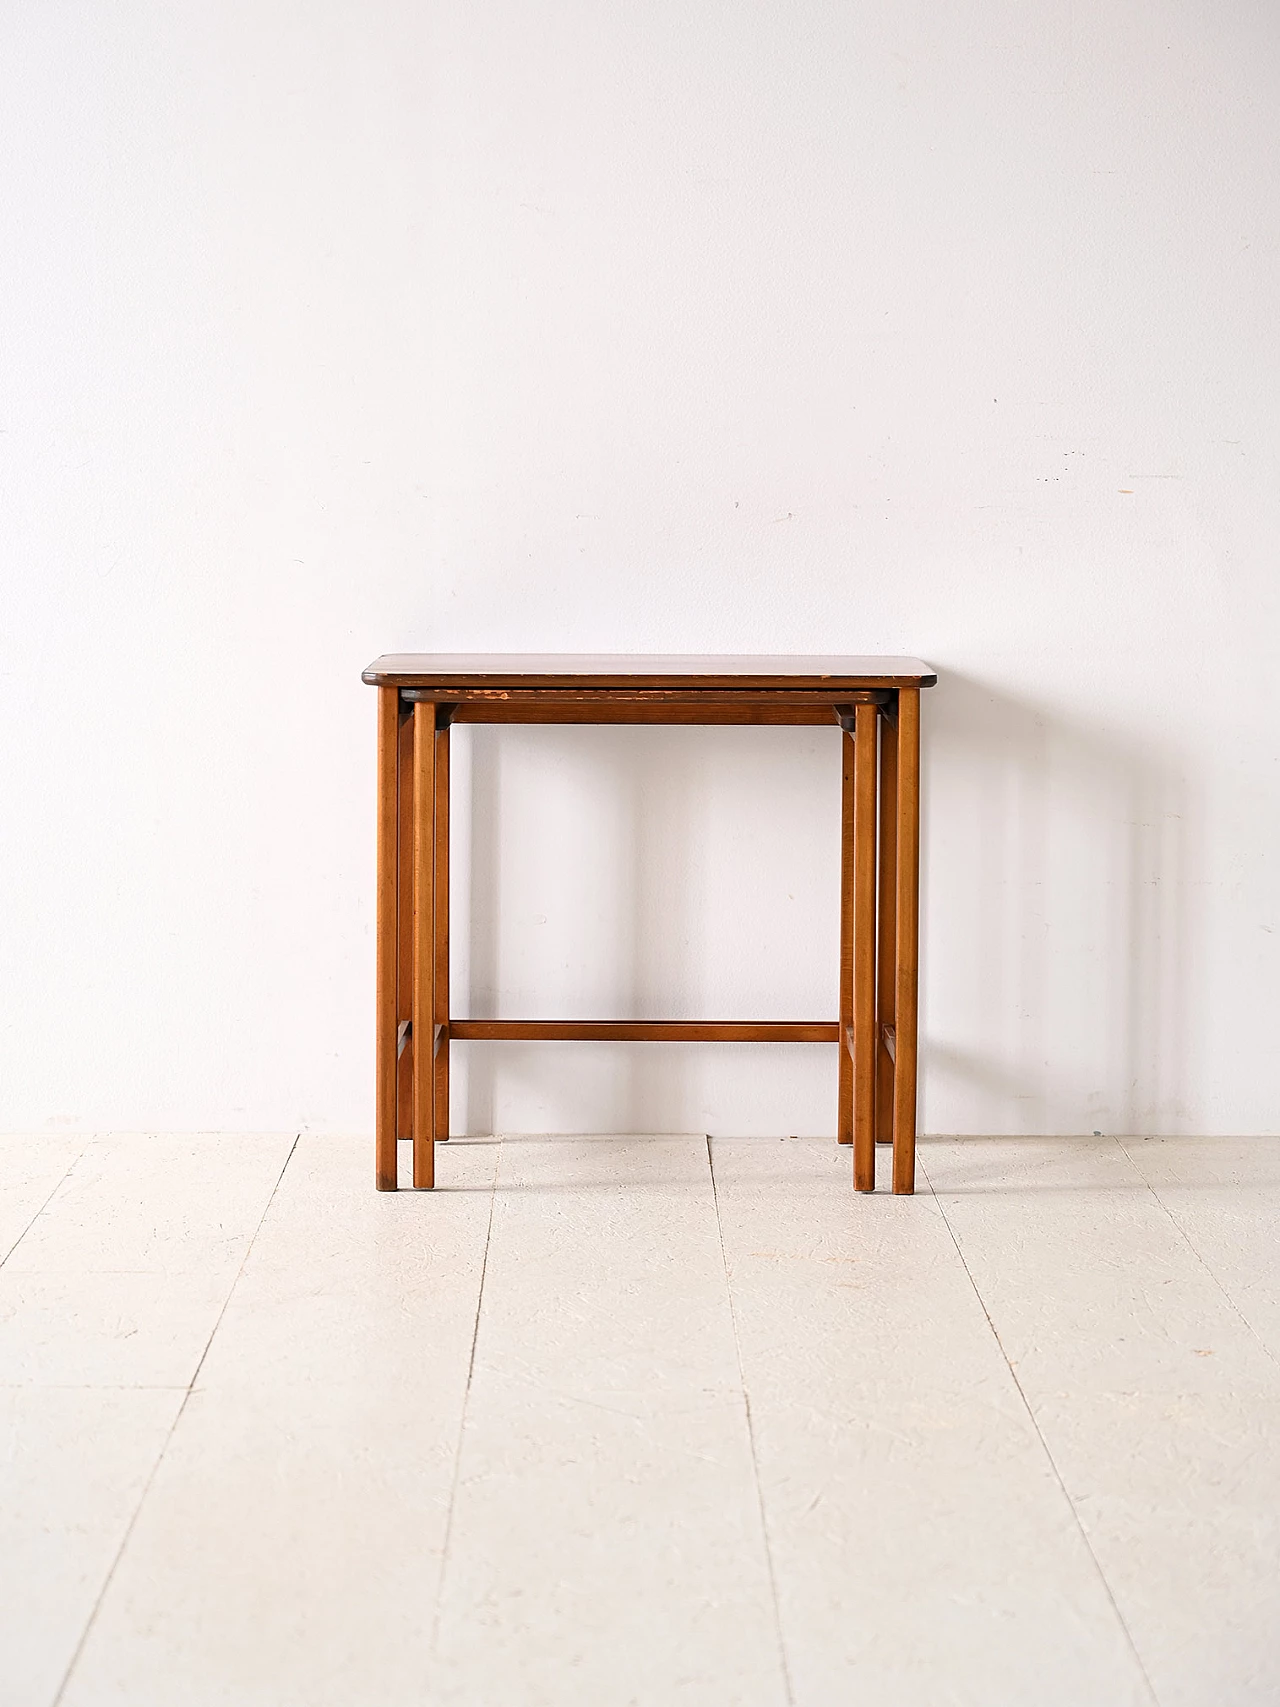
{"points": [[623, 1421]]}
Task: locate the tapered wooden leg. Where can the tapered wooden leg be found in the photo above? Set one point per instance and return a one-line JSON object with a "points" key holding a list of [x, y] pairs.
{"points": [[904, 1066], [404, 935], [440, 1066], [887, 950], [864, 949], [424, 960], [385, 1043], [844, 1091]]}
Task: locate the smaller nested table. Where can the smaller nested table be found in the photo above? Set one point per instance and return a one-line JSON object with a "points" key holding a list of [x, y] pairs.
{"points": [[875, 701]]}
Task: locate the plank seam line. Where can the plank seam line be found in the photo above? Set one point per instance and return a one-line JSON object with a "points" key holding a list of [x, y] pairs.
{"points": [[1044, 1444], [62, 1179], [1187, 1240], [155, 1468], [751, 1437], [462, 1420]]}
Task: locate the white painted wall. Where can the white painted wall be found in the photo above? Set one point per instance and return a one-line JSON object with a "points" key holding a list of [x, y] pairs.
{"points": [[330, 329]]}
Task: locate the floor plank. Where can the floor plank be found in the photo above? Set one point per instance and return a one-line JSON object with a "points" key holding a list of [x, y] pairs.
{"points": [[923, 1548], [1159, 1404], [31, 1169], [73, 1464], [606, 1542], [120, 1280], [1223, 1195], [289, 1548], [988, 1432]]}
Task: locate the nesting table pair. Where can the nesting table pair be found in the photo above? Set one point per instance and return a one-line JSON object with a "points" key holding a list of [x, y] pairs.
{"points": [[875, 702]]}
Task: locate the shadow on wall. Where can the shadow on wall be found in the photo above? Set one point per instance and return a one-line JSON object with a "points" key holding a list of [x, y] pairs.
{"points": [[646, 873], [620, 873], [1061, 922], [611, 766]]}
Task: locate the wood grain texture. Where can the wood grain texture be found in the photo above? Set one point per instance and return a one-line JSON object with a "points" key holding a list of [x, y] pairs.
{"points": [[404, 928], [887, 925], [864, 950], [424, 795], [879, 864], [454, 699], [387, 951], [440, 1053], [643, 1031], [844, 1071], [616, 709], [904, 1067]]}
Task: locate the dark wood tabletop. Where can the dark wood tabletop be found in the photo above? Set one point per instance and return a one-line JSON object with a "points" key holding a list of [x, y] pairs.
{"points": [[624, 670]]}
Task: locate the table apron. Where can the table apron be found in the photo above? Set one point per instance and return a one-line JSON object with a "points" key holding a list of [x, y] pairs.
{"points": [[608, 706]]}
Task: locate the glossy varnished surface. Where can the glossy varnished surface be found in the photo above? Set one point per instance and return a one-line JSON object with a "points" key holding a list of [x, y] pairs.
{"points": [[460, 670]]}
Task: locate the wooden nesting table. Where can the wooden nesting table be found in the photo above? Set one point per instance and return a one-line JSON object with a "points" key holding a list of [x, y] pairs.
{"points": [[876, 702]]}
